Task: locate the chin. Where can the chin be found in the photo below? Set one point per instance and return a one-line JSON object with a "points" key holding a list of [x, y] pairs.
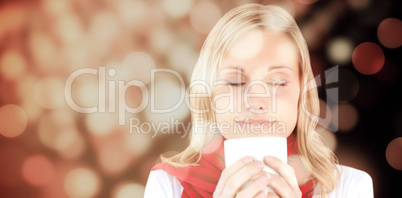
{"points": [[255, 134]]}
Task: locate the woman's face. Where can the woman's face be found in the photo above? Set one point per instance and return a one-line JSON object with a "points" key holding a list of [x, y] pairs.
{"points": [[257, 88]]}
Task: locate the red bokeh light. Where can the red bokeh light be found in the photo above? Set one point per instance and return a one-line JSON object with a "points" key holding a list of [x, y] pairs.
{"points": [[389, 33], [393, 153], [13, 120], [37, 170], [368, 58]]}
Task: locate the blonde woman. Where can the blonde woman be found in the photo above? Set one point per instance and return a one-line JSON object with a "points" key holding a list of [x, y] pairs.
{"points": [[255, 51]]}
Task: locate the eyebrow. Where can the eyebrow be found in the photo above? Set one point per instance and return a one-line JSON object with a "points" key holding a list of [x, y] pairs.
{"points": [[275, 67], [234, 67], [270, 68]]}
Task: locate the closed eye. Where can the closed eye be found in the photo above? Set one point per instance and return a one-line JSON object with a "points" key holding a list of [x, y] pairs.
{"points": [[281, 83], [236, 84]]}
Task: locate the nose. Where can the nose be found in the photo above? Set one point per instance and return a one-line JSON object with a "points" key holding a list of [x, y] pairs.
{"points": [[256, 97], [257, 105]]}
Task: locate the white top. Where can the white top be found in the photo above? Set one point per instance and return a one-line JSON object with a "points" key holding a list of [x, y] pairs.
{"points": [[353, 184]]}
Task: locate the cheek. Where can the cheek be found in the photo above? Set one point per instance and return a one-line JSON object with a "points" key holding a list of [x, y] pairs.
{"points": [[224, 103], [221, 99], [221, 102], [224, 122], [227, 100], [287, 110]]}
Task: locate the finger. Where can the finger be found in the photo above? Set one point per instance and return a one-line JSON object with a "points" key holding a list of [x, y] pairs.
{"points": [[238, 179], [229, 171], [261, 195], [257, 188], [286, 171], [280, 186], [257, 176], [272, 195]]}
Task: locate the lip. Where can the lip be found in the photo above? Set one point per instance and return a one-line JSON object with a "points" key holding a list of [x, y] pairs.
{"points": [[248, 121]]}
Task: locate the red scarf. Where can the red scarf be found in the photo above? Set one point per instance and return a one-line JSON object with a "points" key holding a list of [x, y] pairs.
{"points": [[200, 181]]}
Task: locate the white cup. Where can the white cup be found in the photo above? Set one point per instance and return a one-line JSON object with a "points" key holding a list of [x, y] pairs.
{"points": [[258, 148]]}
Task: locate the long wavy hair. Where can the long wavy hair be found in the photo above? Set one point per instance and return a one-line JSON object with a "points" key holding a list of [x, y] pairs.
{"points": [[317, 158]]}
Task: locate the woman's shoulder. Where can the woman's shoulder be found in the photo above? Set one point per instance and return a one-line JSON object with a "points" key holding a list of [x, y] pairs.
{"points": [[352, 183], [353, 175], [163, 184]]}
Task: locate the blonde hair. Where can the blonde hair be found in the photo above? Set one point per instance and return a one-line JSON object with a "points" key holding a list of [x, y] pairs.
{"points": [[318, 159]]}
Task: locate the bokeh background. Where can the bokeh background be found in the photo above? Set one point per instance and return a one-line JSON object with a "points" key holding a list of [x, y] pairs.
{"points": [[49, 150]]}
